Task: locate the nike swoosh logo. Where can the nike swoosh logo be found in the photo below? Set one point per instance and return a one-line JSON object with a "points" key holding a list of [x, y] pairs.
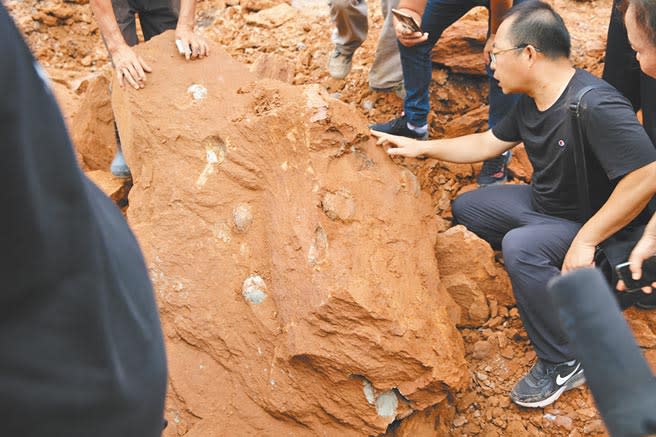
{"points": [[563, 380]]}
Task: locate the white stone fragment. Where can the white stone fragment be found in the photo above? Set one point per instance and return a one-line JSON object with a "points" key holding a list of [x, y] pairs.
{"points": [[254, 289], [386, 404], [198, 92], [369, 392], [242, 216]]}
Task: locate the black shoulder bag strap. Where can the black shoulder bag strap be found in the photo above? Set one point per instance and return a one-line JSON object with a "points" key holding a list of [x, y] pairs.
{"points": [[576, 109], [615, 249]]}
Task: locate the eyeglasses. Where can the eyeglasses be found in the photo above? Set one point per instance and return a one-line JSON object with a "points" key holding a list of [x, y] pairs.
{"points": [[493, 55]]}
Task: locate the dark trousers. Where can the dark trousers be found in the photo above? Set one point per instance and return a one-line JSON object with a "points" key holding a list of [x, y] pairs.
{"points": [[155, 17], [622, 70], [417, 64], [534, 246]]}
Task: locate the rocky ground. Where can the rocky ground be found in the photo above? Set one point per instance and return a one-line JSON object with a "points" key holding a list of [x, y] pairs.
{"points": [[293, 42]]}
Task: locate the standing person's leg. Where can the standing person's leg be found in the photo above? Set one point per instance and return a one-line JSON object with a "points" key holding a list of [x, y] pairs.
{"points": [[386, 73], [351, 26], [418, 67], [417, 62], [500, 103], [495, 170], [621, 69], [124, 12]]}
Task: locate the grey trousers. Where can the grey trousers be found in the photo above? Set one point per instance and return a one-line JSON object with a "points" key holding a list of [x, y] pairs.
{"points": [[351, 27], [534, 246]]}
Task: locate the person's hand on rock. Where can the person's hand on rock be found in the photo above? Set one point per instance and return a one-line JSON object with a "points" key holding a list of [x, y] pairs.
{"points": [[129, 67], [195, 46], [404, 146]]}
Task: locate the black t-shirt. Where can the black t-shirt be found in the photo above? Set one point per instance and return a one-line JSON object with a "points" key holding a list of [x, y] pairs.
{"points": [[81, 347], [616, 145]]}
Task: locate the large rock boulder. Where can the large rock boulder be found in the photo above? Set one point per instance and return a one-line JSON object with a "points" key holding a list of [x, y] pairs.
{"points": [[471, 275], [460, 47], [93, 125], [293, 261]]}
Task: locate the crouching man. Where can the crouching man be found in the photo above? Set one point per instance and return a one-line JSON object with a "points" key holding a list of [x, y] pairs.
{"points": [[537, 225]]}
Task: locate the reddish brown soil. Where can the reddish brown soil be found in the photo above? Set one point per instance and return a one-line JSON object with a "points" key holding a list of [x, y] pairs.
{"points": [[65, 38]]}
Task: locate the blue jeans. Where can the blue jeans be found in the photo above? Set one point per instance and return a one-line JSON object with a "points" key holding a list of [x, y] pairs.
{"points": [[417, 64]]}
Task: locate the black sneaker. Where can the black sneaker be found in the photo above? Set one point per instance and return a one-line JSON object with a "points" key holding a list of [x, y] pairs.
{"points": [[398, 126], [494, 171], [545, 382]]}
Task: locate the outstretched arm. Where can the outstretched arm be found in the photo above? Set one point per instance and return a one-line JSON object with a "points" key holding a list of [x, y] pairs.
{"points": [[465, 149]]}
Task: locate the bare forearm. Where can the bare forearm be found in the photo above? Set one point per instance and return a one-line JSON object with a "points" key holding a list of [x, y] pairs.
{"points": [[650, 229], [627, 200], [109, 29], [498, 9], [187, 16], [414, 5], [466, 149]]}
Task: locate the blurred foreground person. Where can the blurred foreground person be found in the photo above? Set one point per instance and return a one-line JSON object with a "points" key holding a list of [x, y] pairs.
{"points": [[620, 380], [81, 348]]}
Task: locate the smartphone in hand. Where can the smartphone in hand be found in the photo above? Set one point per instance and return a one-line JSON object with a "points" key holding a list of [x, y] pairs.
{"points": [[648, 274], [407, 20]]}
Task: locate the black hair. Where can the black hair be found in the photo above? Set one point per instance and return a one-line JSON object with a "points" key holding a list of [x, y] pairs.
{"points": [[645, 15], [536, 23]]}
